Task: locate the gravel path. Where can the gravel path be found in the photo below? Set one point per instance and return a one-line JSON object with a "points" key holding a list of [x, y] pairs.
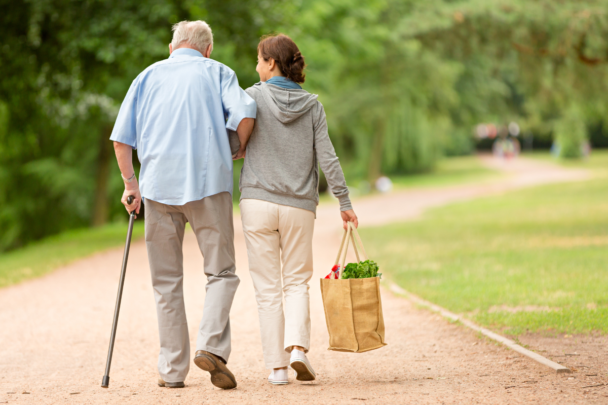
{"points": [[54, 332]]}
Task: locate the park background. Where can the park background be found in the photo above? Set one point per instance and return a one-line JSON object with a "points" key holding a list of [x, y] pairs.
{"points": [[405, 85]]}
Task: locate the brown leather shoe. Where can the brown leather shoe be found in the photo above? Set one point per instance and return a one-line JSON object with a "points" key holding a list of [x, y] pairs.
{"points": [[221, 377], [161, 383]]}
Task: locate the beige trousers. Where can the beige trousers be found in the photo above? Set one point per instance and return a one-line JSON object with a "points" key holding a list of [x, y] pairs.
{"points": [[211, 221], [280, 235]]}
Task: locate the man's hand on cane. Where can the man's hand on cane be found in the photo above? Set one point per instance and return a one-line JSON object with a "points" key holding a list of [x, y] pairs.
{"points": [[349, 216], [134, 191]]}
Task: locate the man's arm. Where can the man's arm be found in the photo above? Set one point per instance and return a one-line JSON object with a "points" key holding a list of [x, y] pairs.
{"points": [[124, 135], [244, 131], [124, 156]]}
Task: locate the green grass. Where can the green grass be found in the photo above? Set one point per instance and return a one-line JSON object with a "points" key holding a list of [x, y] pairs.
{"points": [[543, 248], [450, 171], [597, 161], [44, 256]]}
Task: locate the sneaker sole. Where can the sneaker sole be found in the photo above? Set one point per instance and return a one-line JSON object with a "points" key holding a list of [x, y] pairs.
{"points": [[303, 372], [278, 382], [172, 385], [221, 377]]}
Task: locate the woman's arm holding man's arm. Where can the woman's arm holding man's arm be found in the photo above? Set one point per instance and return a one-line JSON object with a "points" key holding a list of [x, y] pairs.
{"points": [[239, 108], [243, 132]]}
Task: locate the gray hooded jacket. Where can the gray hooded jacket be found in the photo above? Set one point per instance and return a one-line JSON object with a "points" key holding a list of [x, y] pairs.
{"points": [[288, 143]]}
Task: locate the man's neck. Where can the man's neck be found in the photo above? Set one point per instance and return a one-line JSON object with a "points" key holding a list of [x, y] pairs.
{"points": [[188, 46]]}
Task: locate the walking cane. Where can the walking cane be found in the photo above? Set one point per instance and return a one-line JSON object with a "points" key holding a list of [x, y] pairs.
{"points": [[105, 382]]}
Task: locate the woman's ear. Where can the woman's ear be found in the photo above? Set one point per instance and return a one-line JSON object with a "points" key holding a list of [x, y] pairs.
{"points": [[271, 64]]}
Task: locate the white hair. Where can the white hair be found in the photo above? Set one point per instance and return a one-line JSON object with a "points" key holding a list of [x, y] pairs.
{"points": [[197, 34]]}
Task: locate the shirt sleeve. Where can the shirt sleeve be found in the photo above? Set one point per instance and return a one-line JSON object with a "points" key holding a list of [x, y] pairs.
{"points": [[125, 127], [236, 103]]}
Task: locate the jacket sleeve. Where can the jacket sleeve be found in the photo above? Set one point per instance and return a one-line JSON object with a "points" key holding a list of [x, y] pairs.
{"points": [[235, 142], [329, 162]]}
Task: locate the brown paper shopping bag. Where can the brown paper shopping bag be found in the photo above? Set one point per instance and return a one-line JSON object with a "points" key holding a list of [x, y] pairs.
{"points": [[353, 307]]}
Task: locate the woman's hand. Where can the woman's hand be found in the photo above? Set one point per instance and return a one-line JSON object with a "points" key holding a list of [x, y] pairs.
{"points": [[349, 216], [239, 155]]}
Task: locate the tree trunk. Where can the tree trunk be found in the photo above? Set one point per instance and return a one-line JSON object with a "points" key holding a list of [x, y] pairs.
{"points": [[100, 209], [375, 159]]}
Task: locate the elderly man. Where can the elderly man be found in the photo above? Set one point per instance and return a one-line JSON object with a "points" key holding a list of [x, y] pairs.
{"points": [[176, 114]]}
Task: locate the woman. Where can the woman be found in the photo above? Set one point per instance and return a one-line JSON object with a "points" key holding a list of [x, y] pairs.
{"points": [[279, 195]]}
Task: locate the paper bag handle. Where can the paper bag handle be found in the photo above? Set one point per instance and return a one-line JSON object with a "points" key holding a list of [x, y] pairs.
{"points": [[343, 259], [360, 242], [340, 250], [350, 234]]}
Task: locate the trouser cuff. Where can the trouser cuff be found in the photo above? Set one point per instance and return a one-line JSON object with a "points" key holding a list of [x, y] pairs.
{"points": [[289, 348], [219, 353], [277, 364]]}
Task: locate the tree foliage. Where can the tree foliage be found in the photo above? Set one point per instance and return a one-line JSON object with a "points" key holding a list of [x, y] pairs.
{"points": [[65, 68], [403, 82]]}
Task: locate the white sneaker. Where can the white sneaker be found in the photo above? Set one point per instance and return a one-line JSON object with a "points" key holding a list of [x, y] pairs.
{"points": [[299, 363], [278, 377]]}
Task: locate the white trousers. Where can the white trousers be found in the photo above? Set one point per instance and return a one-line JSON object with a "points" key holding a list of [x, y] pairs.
{"points": [[279, 243]]}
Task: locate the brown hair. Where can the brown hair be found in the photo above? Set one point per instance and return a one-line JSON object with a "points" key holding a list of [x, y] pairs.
{"points": [[286, 55]]}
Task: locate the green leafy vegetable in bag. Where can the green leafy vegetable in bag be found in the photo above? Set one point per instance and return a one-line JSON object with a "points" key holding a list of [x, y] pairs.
{"points": [[365, 269]]}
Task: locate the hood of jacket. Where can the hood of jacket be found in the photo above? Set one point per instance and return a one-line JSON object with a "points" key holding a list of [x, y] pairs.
{"points": [[286, 105]]}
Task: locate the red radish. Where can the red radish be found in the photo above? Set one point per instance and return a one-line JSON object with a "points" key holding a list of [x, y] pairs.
{"points": [[334, 273]]}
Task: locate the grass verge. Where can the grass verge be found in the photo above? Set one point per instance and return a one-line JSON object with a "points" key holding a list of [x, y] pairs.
{"points": [[42, 257], [450, 171], [531, 260]]}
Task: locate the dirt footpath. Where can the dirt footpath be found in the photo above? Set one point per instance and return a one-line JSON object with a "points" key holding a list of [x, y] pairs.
{"points": [[54, 333]]}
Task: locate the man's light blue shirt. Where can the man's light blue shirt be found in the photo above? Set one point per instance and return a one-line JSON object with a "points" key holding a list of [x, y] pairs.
{"points": [[176, 114]]}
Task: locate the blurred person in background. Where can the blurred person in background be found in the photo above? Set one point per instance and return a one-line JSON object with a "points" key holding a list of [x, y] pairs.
{"points": [[279, 196], [176, 114]]}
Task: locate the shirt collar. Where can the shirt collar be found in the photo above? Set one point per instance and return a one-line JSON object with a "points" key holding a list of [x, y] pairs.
{"points": [[185, 52]]}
